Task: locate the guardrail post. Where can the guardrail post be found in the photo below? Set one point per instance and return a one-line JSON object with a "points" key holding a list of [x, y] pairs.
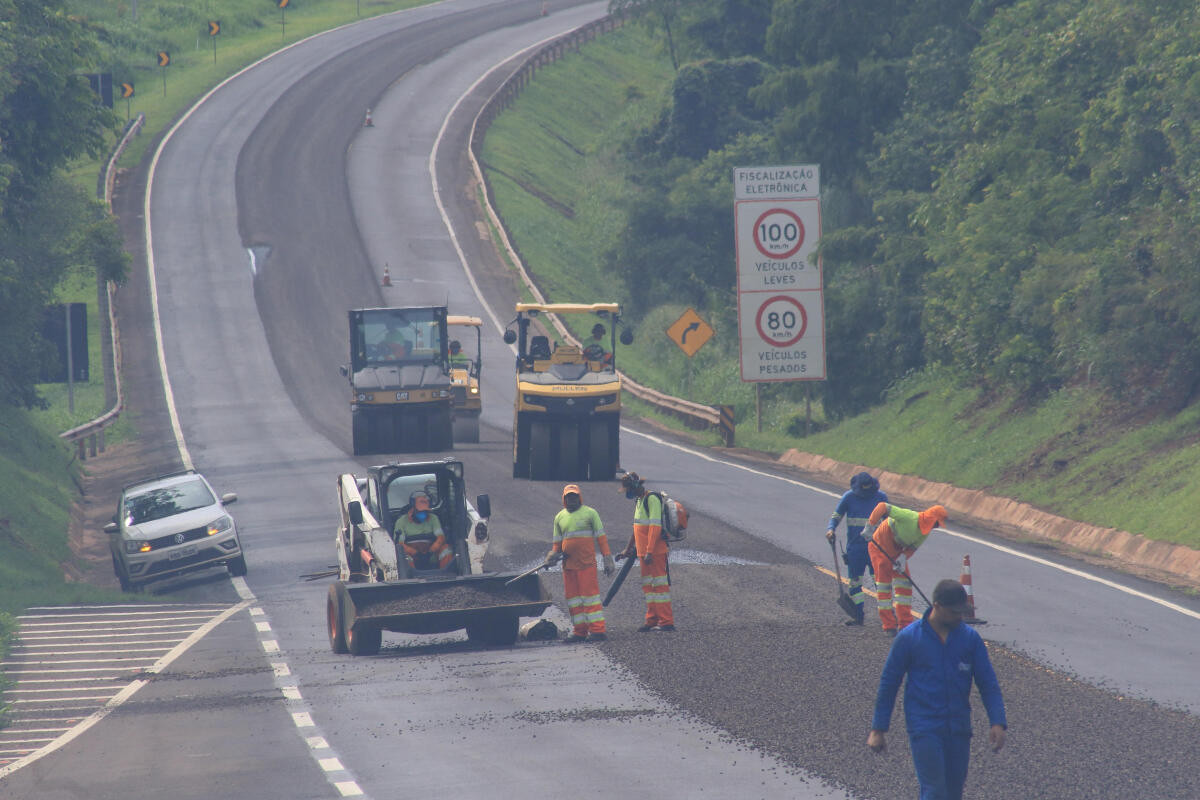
{"points": [[727, 425], [92, 445]]}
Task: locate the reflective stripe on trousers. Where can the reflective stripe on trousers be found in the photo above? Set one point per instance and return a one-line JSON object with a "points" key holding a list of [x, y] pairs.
{"points": [[582, 588]]}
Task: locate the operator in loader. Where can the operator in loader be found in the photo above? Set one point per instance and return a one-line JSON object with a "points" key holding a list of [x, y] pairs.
{"points": [[419, 534], [855, 507], [458, 359], [650, 546], [396, 340], [595, 350], [899, 533], [577, 533]]}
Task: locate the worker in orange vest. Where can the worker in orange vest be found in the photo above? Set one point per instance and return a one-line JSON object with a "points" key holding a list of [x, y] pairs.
{"points": [[651, 547], [899, 533], [578, 532]]}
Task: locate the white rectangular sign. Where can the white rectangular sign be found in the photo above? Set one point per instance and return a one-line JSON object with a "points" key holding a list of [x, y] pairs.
{"points": [[782, 335], [781, 305], [757, 183], [776, 241]]}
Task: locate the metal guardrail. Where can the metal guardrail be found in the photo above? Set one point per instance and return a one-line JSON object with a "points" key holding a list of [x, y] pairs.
{"points": [[695, 415], [89, 437]]}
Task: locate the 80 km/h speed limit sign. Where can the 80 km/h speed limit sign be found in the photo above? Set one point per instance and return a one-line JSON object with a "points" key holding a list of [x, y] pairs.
{"points": [[782, 336]]}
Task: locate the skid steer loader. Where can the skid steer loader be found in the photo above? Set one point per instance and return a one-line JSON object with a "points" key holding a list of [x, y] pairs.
{"points": [[464, 379], [401, 398], [568, 401], [379, 588]]}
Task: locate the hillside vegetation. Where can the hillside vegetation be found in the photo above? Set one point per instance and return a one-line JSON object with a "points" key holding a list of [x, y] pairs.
{"points": [[1007, 222]]}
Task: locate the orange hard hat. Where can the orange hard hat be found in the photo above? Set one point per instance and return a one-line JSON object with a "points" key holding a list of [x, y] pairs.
{"points": [[572, 488]]}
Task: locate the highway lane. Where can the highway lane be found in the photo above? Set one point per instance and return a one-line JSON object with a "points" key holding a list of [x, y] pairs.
{"points": [[469, 712]]}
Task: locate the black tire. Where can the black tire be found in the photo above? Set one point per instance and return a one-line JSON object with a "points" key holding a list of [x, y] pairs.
{"points": [[363, 640], [236, 566], [333, 621], [601, 464], [360, 432], [570, 460], [466, 429], [442, 429], [539, 452], [122, 578], [411, 433]]}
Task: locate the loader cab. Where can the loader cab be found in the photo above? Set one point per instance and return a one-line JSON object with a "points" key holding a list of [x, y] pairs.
{"points": [[392, 486]]}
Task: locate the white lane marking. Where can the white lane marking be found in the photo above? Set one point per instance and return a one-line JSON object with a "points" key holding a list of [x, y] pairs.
{"points": [[348, 788], [974, 540], [280, 669], [317, 743], [270, 646], [330, 764], [303, 719], [262, 627], [291, 692]]}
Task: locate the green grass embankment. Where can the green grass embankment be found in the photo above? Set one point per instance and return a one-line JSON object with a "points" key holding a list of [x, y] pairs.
{"points": [[557, 181]]}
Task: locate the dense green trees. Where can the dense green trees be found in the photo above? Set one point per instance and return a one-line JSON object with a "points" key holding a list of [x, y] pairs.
{"points": [[48, 116], [1007, 183]]}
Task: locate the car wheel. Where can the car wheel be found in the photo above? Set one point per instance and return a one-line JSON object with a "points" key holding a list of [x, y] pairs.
{"points": [[126, 586], [236, 566]]}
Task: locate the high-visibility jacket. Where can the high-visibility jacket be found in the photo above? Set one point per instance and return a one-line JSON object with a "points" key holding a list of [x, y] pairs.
{"points": [[647, 526], [416, 538], [577, 534], [904, 524]]}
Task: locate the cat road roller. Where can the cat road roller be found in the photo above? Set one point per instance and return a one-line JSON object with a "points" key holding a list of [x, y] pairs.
{"points": [[464, 377], [568, 400], [401, 397]]}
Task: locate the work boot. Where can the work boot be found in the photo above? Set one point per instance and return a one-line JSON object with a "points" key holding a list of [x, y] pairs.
{"points": [[645, 628], [574, 638], [665, 628], [598, 637]]}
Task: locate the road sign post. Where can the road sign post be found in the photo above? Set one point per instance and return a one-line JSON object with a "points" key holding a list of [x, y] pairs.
{"points": [[781, 309]]}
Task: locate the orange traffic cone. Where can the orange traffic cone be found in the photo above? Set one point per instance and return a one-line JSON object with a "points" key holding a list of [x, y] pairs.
{"points": [[387, 276], [965, 580], [367, 122]]}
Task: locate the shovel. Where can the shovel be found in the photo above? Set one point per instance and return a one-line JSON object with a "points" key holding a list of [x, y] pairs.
{"points": [[847, 605]]}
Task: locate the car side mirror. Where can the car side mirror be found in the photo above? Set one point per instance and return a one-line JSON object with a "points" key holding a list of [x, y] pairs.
{"points": [[111, 527], [483, 506], [626, 336], [228, 497], [510, 337], [355, 512]]}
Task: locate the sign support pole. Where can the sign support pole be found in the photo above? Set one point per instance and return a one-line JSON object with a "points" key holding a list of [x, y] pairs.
{"points": [[758, 404]]}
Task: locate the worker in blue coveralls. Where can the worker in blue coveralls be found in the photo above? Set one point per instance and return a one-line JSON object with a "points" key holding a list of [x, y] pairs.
{"points": [[855, 506], [941, 657]]}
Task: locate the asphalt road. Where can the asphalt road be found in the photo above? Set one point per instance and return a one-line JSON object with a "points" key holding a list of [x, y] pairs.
{"points": [[272, 212]]}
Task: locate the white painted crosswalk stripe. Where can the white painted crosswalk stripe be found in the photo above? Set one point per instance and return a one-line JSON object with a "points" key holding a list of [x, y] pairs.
{"points": [[68, 663]]}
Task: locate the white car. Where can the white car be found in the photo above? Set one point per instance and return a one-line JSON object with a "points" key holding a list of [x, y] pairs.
{"points": [[170, 525]]}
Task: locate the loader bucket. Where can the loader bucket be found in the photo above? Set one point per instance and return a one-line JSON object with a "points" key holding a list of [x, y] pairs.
{"points": [[438, 605]]}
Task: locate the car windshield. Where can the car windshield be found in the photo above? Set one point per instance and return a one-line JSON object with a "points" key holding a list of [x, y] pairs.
{"points": [[164, 502]]}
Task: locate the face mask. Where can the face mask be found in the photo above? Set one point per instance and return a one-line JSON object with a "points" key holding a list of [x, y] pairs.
{"points": [[572, 503], [630, 493], [420, 516]]}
